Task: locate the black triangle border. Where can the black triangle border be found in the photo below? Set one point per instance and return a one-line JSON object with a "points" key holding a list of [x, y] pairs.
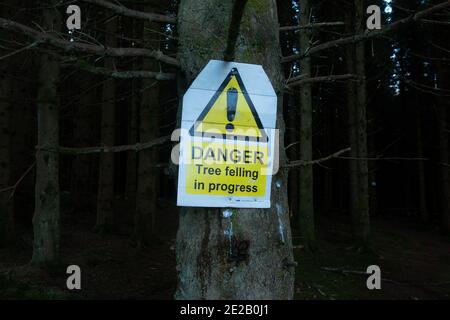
{"points": [[233, 72]]}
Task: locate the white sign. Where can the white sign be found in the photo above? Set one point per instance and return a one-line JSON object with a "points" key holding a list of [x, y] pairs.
{"points": [[227, 138]]}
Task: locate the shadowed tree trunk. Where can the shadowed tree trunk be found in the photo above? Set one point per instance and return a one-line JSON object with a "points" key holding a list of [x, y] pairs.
{"points": [[133, 114], [293, 154], [423, 211], [359, 184], [147, 184], [105, 197], [443, 107], [202, 248], [46, 216], [6, 208], [306, 190], [81, 187], [352, 120]]}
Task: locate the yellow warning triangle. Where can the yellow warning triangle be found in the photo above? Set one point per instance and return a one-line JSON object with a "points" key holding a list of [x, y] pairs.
{"points": [[230, 114]]}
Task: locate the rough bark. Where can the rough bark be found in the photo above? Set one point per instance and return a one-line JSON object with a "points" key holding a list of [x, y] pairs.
{"points": [[205, 270], [105, 197], [147, 184], [306, 205], [47, 215]]}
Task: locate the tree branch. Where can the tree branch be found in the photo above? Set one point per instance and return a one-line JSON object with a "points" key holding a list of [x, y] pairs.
{"points": [[368, 34], [90, 150], [300, 163], [330, 78], [14, 187], [67, 46], [233, 30], [160, 76], [312, 25], [124, 11]]}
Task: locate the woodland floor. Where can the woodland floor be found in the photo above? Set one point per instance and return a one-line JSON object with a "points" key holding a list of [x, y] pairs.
{"points": [[415, 262]]}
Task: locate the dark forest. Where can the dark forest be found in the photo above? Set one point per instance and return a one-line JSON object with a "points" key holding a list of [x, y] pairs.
{"points": [[87, 115]]}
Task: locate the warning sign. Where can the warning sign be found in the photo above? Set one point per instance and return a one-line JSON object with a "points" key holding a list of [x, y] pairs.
{"points": [[227, 147], [222, 168], [230, 113]]}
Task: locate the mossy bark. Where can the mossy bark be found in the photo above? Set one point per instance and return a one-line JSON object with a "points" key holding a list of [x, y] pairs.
{"points": [[208, 262]]}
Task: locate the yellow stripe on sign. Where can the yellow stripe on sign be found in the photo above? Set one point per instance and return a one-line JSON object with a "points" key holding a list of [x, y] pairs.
{"points": [[225, 168]]}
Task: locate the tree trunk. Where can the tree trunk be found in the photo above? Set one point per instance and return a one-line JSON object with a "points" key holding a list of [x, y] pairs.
{"points": [[423, 211], [361, 223], [352, 122], [202, 247], [6, 208], [81, 187], [293, 154], [105, 197], [444, 172], [148, 182], [306, 190], [133, 114], [46, 216]]}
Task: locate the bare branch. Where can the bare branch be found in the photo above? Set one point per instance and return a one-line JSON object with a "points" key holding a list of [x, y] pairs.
{"points": [[444, 23], [90, 150], [69, 47], [31, 45], [368, 34], [124, 11], [295, 79], [312, 26], [233, 30], [300, 163], [14, 187], [160, 76], [330, 78]]}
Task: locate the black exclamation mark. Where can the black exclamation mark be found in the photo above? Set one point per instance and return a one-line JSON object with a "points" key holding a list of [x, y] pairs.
{"points": [[232, 97]]}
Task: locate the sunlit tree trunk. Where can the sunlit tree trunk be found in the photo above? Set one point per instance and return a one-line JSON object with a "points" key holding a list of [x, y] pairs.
{"points": [[202, 248]]}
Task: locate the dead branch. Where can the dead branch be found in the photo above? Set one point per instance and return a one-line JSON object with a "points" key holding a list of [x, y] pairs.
{"points": [[14, 187], [369, 34], [69, 47], [299, 163], [122, 74], [102, 149], [362, 273], [331, 78], [124, 11], [312, 26], [233, 30]]}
